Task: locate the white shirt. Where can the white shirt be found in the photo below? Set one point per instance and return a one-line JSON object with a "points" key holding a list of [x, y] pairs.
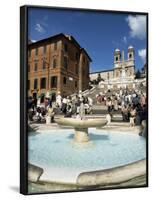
{"points": [[64, 100]]}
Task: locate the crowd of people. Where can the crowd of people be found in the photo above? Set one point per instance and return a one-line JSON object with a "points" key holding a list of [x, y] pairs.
{"points": [[39, 109], [131, 104]]}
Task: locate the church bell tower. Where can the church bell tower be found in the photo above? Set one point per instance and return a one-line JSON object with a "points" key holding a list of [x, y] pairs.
{"points": [[131, 53], [117, 58]]}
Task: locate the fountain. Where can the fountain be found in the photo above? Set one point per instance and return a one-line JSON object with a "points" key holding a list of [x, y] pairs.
{"points": [[114, 156], [81, 124]]}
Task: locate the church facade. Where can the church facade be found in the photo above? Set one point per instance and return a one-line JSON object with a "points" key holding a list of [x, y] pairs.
{"points": [[123, 73]]}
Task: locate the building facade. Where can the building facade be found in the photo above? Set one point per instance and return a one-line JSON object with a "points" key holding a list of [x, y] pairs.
{"points": [[57, 65], [121, 68], [122, 74]]}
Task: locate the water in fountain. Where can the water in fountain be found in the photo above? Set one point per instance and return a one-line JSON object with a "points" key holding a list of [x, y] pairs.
{"points": [[63, 160]]}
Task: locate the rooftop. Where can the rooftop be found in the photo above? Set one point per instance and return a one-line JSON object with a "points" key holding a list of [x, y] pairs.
{"points": [[67, 37]]}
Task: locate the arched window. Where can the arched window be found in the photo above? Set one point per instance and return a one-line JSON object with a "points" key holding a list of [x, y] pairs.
{"points": [[116, 58], [130, 55]]}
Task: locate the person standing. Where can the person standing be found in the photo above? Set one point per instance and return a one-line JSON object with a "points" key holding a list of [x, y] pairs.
{"points": [[109, 103], [64, 105], [132, 116]]}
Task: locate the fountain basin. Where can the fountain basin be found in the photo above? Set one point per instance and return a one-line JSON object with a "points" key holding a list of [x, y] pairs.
{"points": [[114, 175], [63, 160], [81, 126]]}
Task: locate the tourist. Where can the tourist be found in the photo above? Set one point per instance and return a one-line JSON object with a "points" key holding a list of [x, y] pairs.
{"points": [[64, 105], [125, 115], [109, 103], [38, 114], [108, 118], [46, 102], [115, 104], [68, 111], [59, 100], [143, 100], [132, 116], [51, 113]]}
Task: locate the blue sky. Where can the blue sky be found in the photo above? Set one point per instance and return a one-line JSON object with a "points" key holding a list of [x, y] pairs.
{"points": [[98, 32]]}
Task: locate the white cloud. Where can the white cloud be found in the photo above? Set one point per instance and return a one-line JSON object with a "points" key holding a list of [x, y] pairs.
{"points": [[137, 25], [142, 54], [33, 41], [39, 28]]}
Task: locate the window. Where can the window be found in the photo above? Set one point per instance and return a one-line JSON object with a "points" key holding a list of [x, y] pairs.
{"points": [[76, 69], [44, 65], [130, 55], [35, 66], [55, 46], [65, 62], [54, 63], [44, 49], [28, 84], [64, 80], [76, 84], [28, 67], [43, 83], [53, 81], [35, 84], [65, 47], [116, 58], [36, 51]]}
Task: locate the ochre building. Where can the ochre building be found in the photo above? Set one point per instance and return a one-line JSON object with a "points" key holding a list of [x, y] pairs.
{"points": [[57, 64]]}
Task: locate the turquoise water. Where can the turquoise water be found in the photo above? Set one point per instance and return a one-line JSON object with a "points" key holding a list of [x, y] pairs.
{"points": [[56, 149]]}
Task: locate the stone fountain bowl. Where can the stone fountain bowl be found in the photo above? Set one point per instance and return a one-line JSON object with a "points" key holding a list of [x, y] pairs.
{"points": [[84, 123]]}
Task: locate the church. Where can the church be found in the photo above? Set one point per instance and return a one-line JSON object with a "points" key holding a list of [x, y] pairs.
{"points": [[123, 73]]}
